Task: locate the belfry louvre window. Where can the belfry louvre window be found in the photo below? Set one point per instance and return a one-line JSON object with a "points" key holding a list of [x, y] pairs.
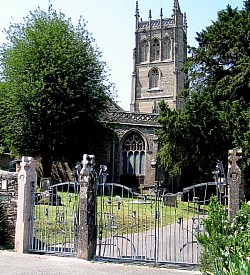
{"points": [[166, 49], [144, 51], [153, 78], [134, 155], [155, 50]]}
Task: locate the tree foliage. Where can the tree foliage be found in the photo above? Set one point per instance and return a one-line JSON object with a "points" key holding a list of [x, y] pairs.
{"points": [[216, 113], [191, 140], [54, 88], [221, 62], [225, 245]]}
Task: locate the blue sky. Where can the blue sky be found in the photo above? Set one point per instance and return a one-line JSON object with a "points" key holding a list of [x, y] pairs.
{"points": [[111, 23]]}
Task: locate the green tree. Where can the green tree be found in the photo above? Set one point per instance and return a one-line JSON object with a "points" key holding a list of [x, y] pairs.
{"points": [[192, 140], [56, 89], [216, 114], [221, 62]]}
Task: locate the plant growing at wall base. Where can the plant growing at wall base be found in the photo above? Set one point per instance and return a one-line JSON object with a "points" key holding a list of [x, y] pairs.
{"points": [[3, 225], [226, 246]]}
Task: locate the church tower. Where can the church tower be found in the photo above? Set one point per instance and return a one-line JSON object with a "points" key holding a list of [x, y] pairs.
{"points": [[159, 54]]}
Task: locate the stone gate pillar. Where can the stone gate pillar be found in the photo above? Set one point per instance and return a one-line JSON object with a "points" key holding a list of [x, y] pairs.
{"points": [[87, 210], [235, 182], [26, 182]]}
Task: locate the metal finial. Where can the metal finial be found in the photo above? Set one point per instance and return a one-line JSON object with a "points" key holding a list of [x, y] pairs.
{"points": [[137, 9], [185, 21], [176, 6], [150, 15], [49, 7]]}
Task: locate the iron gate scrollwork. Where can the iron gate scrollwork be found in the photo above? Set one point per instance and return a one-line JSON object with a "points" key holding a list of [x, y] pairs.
{"points": [[54, 221], [158, 227], [154, 227]]}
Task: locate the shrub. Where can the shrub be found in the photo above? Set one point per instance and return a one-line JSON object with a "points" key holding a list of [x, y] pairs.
{"points": [[226, 246]]}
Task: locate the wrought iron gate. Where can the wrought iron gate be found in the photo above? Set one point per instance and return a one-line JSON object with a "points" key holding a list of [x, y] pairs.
{"points": [[156, 227], [54, 221]]}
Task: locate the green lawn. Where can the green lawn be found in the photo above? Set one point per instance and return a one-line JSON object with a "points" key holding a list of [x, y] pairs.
{"points": [[56, 223], [135, 215]]}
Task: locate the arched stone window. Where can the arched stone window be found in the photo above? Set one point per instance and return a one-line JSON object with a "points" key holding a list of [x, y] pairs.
{"points": [[166, 48], [144, 51], [153, 78], [155, 52], [133, 155]]}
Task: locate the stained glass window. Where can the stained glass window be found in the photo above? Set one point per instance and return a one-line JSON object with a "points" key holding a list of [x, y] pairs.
{"points": [[134, 155]]}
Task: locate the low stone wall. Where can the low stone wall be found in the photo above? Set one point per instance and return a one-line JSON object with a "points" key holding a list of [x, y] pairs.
{"points": [[8, 196]]}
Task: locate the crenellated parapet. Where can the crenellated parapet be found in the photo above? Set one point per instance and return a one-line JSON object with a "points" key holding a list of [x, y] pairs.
{"points": [[155, 24], [147, 119]]}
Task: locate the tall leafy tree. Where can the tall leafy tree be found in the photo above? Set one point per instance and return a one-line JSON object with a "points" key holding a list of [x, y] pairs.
{"points": [[215, 117], [221, 62], [192, 140], [56, 88]]}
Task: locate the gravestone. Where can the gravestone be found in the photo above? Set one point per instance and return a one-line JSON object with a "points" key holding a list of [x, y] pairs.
{"points": [[170, 200], [235, 182], [45, 184]]}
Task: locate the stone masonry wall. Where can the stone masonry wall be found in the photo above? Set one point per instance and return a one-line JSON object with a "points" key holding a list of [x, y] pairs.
{"points": [[8, 196], [148, 133]]}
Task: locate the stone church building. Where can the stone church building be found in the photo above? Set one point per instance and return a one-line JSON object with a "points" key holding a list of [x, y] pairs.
{"points": [[159, 54]]}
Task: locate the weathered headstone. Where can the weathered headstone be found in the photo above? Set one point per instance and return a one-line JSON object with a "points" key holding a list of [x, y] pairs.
{"points": [[45, 184], [235, 182], [170, 200]]}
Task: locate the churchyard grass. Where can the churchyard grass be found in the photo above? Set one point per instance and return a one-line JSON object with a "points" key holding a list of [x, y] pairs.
{"points": [[134, 216], [57, 223]]}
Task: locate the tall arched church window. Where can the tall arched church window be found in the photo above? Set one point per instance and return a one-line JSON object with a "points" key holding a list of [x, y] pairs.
{"points": [[153, 78], [155, 53], [166, 49], [144, 51], [133, 155]]}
